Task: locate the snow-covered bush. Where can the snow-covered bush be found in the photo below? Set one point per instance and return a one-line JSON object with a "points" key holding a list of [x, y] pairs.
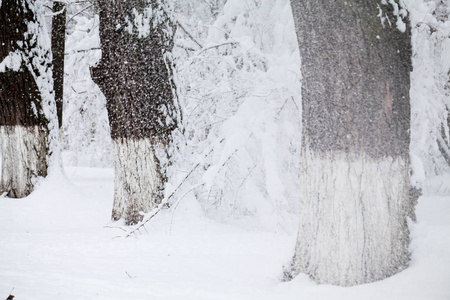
{"points": [[238, 75], [430, 94], [86, 138]]}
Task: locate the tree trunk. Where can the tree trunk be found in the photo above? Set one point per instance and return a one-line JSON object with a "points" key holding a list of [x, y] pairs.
{"points": [[136, 78], [23, 126], [355, 153], [58, 48]]}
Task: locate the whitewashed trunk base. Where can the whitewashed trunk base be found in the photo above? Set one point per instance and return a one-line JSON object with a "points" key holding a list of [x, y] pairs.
{"points": [[353, 221], [24, 158], [137, 181]]}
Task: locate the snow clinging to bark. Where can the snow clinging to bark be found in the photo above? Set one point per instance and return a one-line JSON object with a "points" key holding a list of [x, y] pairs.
{"points": [[38, 62]]}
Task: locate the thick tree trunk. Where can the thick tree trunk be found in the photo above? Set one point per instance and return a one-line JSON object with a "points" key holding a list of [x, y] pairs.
{"points": [[355, 154], [136, 79], [23, 126], [58, 48]]}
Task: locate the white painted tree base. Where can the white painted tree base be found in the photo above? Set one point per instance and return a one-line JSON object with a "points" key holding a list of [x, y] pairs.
{"points": [[24, 151], [353, 218], [136, 180]]}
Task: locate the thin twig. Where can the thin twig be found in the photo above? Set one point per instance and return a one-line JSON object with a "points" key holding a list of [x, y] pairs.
{"points": [[189, 35], [224, 163], [130, 275], [229, 157], [155, 212], [217, 46], [282, 106], [245, 179], [84, 50], [295, 103], [87, 7], [182, 197], [187, 176], [165, 204], [114, 227], [184, 47]]}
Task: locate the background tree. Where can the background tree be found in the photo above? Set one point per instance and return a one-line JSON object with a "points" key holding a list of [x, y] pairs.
{"points": [[23, 125], [58, 43], [356, 60], [135, 76]]}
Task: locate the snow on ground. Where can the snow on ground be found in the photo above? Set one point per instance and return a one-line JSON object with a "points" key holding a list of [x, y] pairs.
{"points": [[55, 244]]}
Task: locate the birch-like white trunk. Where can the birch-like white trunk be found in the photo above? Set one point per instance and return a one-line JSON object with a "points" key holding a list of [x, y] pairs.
{"points": [[353, 226], [137, 183], [24, 151]]}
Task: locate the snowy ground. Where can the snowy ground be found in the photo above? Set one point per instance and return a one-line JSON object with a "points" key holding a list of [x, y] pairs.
{"points": [[54, 245]]}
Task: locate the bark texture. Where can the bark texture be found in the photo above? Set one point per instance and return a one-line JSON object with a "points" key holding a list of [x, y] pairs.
{"points": [[58, 48], [24, 151], [355, 153], [136, 78], [23, 126], [136, 180]]}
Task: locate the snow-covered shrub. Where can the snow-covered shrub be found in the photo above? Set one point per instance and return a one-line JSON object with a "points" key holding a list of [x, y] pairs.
{"points": [[86, 138], [430, 94], [239, 82]]}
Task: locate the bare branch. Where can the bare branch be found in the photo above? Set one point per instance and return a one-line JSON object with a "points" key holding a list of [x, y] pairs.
{"points": [[217, 46], [84, 50], [189, 35], [184, 47], [86, 8], [52, 14], [115, 227]]}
